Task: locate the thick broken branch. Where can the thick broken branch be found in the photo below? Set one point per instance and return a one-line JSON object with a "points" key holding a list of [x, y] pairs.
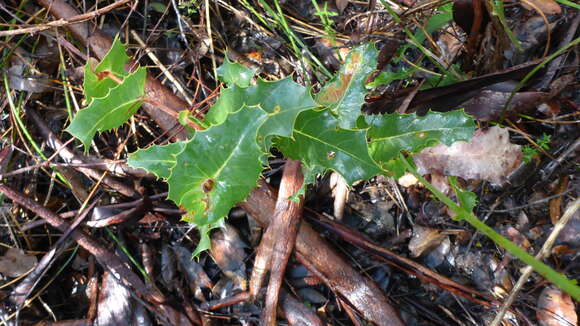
{"points": [[340, 276], [284, 229]]}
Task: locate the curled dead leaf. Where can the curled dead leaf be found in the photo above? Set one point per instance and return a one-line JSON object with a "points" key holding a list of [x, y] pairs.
{"points": [[555, 308], [548, 7], [424, 238], [488, 156], [16, 263]]}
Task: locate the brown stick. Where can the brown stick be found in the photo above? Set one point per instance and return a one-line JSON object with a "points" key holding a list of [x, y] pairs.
{"points": [[68, 155], [64, 22], [103, 256], [284, 230], [296, 312], [340, 276], [404, 264], [261, 263]]}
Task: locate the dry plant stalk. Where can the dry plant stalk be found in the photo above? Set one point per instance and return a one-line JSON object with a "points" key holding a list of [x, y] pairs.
{"points": [[284, 230]]}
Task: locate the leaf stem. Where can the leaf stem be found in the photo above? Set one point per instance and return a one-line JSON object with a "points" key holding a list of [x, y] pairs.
{"points": [[546, 271]]}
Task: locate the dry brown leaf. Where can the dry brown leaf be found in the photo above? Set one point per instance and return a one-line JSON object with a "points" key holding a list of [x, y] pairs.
{"points": [[115, 305], [424, 238], [15, 262], [488, 156], [407, 180], [548, 7], [341, 5], [227, 250], [555, 308]]}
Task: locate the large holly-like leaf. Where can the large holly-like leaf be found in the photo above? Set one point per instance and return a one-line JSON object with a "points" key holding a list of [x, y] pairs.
{"points": [[283, 100], [218, 167], [345, 93], [318, 140], [111, 111], [391, 133], [98, 79], [233, 73], [157, 159]]}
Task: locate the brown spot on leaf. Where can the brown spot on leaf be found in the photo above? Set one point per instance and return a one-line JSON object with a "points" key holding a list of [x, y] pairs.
{"points": [[207, 185], [335, 91]]}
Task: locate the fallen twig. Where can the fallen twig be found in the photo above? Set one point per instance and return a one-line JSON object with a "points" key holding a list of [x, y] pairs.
{"points": [[404, 264], [64, 22], [543, 253], [317, 255], [104, 257]]}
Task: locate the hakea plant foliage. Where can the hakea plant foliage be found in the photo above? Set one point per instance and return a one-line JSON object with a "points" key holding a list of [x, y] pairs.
{"points": [[219, 166]]}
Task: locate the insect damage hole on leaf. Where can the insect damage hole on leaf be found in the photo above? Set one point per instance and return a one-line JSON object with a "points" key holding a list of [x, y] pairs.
{"points": [[207, 185]]}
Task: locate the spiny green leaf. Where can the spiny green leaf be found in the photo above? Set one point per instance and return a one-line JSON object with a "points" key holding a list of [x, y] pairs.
{"points": [[233, 73], [283, 100], [318, 140], [204, 240], [96, 83], [95, 87], [115, 60], [230, 100], [391, 133], [345, 93], [156, 159], [218, 167], [110, 111]]}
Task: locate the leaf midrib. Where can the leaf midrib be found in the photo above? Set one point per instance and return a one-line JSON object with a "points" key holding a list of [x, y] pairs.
{"points": [[414, 132], [337, 148], [228, 159]]}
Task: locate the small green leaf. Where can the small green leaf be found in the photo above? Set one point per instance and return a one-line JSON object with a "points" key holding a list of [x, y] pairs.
{"points": [[233, 73], [156, 159], [230, 100], [218, 167], [93, 85], [97, 81], [204, 240], [467, 199], [345, 93], [386, 77], [391, 133], [115, 60], [318, 140], [111, 111]]}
